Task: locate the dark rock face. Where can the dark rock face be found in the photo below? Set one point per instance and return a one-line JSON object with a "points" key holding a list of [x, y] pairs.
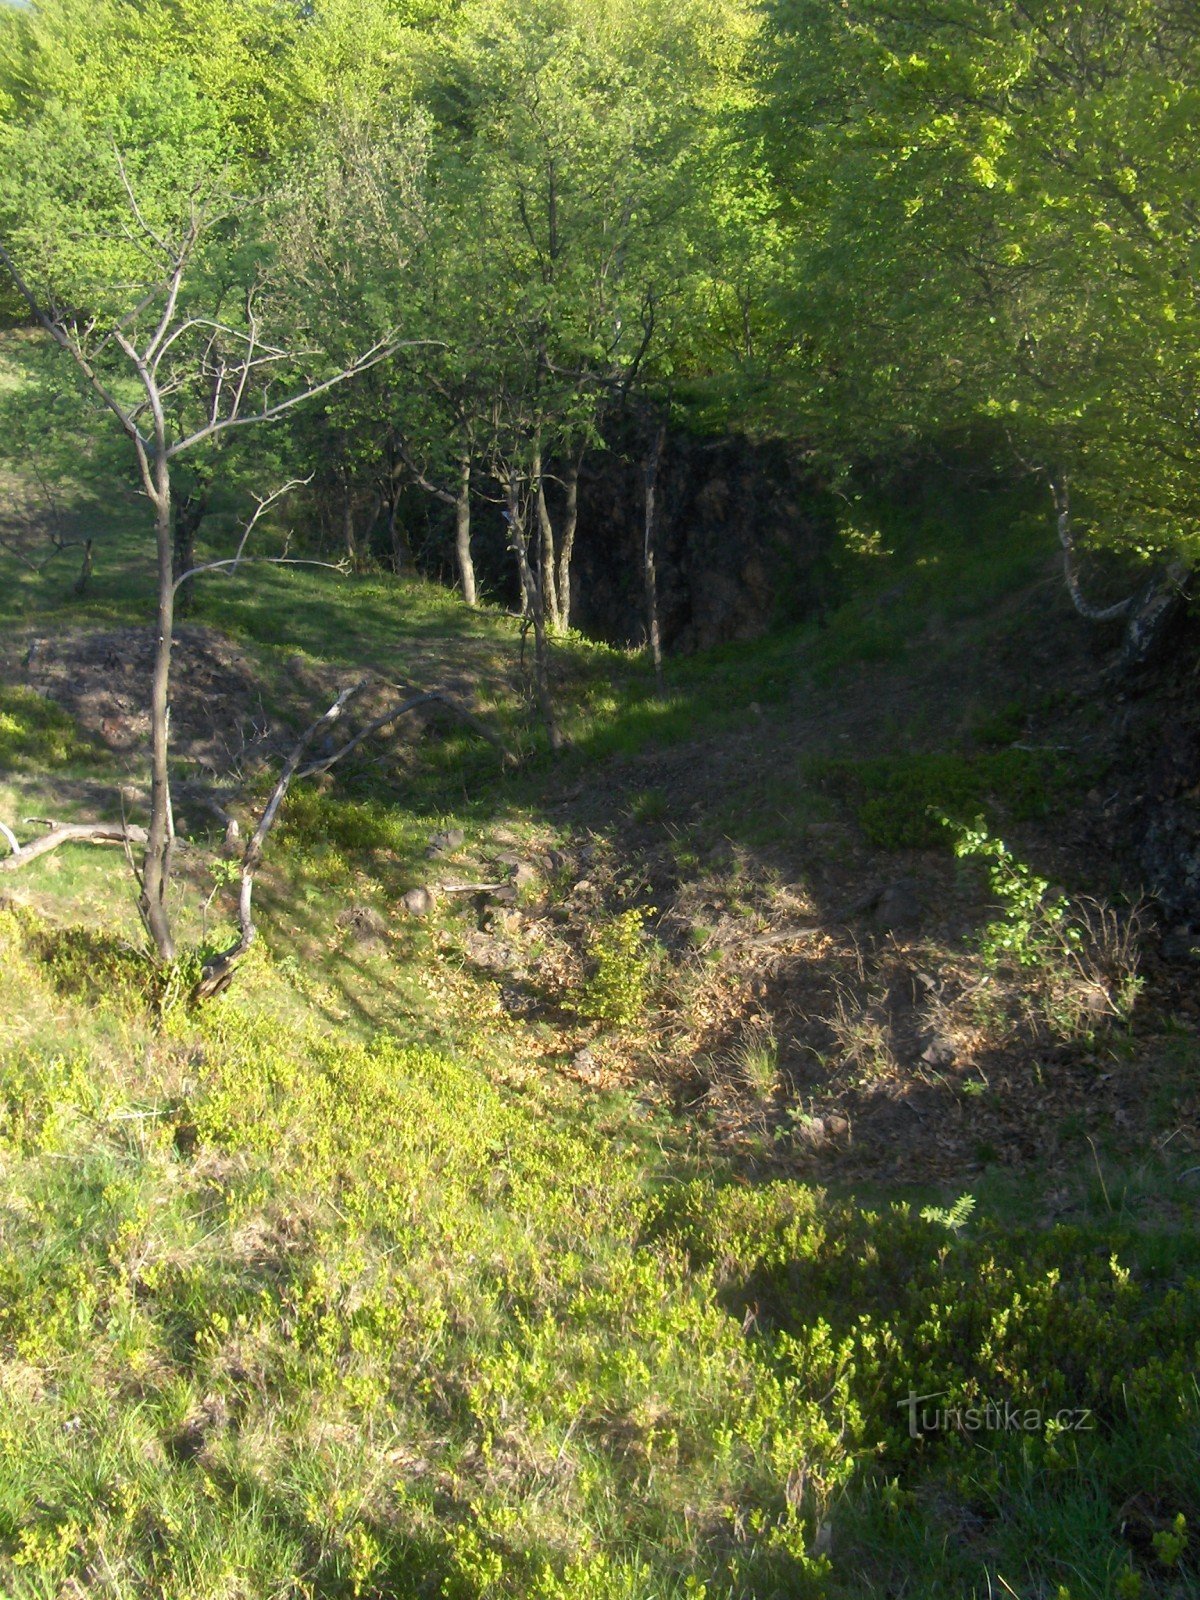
{"points": [[744, 541], [1161, 766], [1170, 857]]}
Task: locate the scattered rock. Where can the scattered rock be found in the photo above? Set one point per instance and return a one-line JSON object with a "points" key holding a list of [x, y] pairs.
{"points": [[938, 1051], [491, 954], [518, 1002], [365, 923], [418, 902], [523, 875], [444, 844], [1181, 944], [899, 905], [836, 1126], [585, 1063], [812, 1131]]}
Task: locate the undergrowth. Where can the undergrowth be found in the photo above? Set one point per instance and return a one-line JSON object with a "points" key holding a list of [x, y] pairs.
{"points": [[899, 800], [288, 1312]]}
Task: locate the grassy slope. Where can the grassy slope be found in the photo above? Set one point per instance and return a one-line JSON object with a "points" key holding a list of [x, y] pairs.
{"points": [[340, 1287]]}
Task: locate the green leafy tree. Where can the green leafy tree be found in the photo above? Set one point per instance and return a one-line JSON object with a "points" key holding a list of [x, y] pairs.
{"points": [[991, 220]]}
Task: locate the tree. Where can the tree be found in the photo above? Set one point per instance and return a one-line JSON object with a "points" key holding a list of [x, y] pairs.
{"points": [[563, 137], [159, 283], [992, 221]]}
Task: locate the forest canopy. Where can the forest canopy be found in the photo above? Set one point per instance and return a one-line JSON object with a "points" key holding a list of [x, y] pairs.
{"points": [[864, 228]]}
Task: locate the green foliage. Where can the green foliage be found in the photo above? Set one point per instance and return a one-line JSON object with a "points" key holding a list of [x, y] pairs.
{"points": [[1100, 1351], [900, 800], [314, 819], [1035, 922], [622, 960], [988, 223], [1080, 961], [954, 1217], [1170, 1543]]}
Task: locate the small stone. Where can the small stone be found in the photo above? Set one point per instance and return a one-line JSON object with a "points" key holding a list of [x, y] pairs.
{"points": [[444, 844], [1181, 945], [365, 923], [523, 875], [938, 1051], [899, 905], [585, 1063], [837, 1126], [418, 902]]}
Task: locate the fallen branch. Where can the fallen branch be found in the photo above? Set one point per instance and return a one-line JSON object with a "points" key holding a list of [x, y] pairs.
{"points": [[67, 833], [218, 972]]}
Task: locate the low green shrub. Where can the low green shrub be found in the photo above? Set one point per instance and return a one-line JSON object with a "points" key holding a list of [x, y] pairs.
{"points": [[617, 989], [36, 735], [899, 800], [312, 818]]}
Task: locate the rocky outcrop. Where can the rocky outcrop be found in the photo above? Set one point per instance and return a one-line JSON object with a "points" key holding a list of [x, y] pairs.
{"points": [[1160, 769], [745, 538]]}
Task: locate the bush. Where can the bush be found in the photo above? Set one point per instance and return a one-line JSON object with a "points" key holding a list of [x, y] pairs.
{"points": [[616, 991]]}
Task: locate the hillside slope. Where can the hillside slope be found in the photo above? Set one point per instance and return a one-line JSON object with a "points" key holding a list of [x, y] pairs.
{"points": [[589, 1235]]}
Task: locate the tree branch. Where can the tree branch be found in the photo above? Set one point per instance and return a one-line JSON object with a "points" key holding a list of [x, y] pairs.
{"points": [[218, 972], [371, 358], [67, 833], [1062, 505], [231, 563]]}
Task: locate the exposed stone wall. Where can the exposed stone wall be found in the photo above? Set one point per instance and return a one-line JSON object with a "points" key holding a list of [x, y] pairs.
{"points": [[744, 541]]}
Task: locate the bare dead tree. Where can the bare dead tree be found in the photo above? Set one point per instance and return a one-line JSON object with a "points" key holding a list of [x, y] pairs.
{"points": [[197, 377], [649, 569], [218, 972]]}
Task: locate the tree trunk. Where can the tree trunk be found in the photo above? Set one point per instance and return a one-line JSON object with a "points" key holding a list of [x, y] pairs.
{"points": [[402, 556], [546, 565], [188, 518], [349, 539], [1061, 494], [156, 867], [85, 570], [567, 546], [462, 529], [534, 609], [653, 633]]}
